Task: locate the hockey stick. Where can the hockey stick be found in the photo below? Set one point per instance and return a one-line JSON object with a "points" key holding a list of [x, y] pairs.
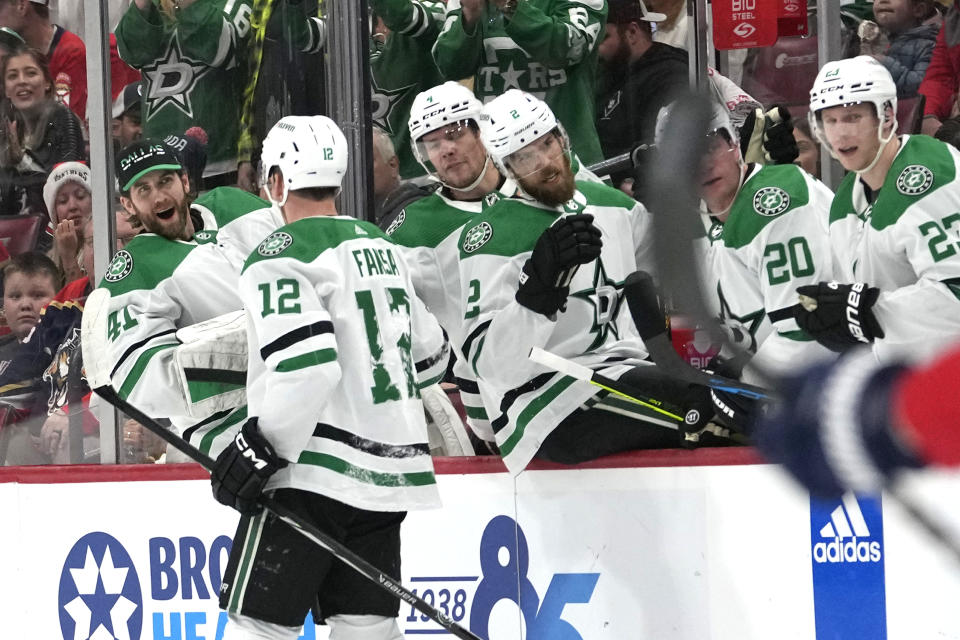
{"points": [[622, 162], [93, 332], [645, 310], [580, 372]]}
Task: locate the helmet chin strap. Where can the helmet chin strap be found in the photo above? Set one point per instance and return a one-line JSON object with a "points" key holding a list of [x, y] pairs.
{"points": [[476, 183], [743, 174], [883, 145]]}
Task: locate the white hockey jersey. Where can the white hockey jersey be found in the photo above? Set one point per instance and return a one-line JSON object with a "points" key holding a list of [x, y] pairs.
{"points": [[339, 345], [527, 401], [774, 240], [428, 234], [907, 243]]}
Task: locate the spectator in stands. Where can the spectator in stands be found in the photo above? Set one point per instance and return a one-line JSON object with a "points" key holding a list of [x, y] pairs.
{"points": [[207, 91], [127, 125], [807, 146], [29, 282], [940, 81], [401, 66], [386, 169], [640, 77], [67, 195], [64, 49], [36, 132], [911, 27], [543, 47]]}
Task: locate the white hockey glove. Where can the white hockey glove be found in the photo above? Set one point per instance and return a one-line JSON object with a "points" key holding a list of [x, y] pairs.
{"points": [[211, 364]]}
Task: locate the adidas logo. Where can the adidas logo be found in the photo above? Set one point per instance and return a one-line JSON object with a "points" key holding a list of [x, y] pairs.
{"points": [[846, 531]]}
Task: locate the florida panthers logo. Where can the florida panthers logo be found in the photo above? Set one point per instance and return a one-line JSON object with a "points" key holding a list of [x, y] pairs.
{"points": [[771, 201], [914, 180], [274, 244]]}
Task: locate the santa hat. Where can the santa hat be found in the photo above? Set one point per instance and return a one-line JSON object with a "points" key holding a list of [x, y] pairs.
{"points": [[63, 173]]}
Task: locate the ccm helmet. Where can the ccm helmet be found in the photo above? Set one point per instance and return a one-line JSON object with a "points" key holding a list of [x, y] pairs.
{"points": [[310, 151], [851, 81]]}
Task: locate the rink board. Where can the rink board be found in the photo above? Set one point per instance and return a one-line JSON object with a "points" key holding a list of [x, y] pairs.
{"points": [[669, 545]]}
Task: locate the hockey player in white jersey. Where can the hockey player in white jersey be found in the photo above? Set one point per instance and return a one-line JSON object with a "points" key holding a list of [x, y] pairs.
{"points": [[338, 344], [445, 134], [546, 269], [767, 233], [894, 223], [182, 271]]}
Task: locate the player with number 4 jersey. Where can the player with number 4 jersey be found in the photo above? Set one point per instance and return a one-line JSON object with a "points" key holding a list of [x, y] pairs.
{"points": [[894, 224]]}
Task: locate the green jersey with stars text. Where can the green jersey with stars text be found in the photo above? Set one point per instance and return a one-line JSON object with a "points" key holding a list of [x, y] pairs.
{"points": [[529, 401], [906, 243], [428, 234], [773, 241], [547, 48], [190, 71], [401, 67], [339, 345]]}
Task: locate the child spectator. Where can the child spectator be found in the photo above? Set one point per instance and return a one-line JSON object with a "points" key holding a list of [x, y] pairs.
{"points": [[29, 282], [911, 27]]}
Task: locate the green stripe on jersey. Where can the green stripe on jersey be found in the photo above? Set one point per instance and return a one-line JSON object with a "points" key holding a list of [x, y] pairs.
{"points": [[531, 410], [368, 476], [201, 390], [771, 193], [138, 368], [152, 259], [477, 413], [312, 359], [312, 236], [207, 441], [427, 222], [230, 203]]}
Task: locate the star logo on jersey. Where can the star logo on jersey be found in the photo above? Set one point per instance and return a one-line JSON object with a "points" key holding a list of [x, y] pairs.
{"points": [[491, 198], [99, 595], [914, 180], [120, 267], [172, 79], [383, 103], [771, 201], [749, 321], [716, 231], [511, 77], [605, 299], [274, 244], [477, 236], [397, 222]]}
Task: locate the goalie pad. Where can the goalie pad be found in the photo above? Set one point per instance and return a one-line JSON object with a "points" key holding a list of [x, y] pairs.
{"points": [[447, 434], [211, 364]]}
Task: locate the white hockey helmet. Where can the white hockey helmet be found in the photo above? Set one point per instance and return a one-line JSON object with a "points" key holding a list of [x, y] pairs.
{"points": [[719, 123], [514, 120], [446, 104], [310, 151], [852, 81]]}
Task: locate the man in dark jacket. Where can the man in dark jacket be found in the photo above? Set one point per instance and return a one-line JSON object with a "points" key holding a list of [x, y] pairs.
{"points": [[640, 77]]}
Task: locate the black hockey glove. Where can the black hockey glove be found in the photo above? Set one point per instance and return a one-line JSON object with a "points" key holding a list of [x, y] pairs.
{"points": [[838, 316], [565, 245], [733, 410], [852, 445], [767, 138], [243, 468]]}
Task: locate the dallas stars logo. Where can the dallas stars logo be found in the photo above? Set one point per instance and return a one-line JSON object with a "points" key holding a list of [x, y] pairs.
{"points": [[749, 321], [771, 201], [914, 180], [172, 79], [397, 222], [477, 236], [605, 298], [120, 267], [275, 243], [385, 102], [203, 237]]}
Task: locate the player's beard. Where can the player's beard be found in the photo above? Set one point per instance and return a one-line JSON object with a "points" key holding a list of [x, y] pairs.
{"points": [[174, 228], [552, 194]]}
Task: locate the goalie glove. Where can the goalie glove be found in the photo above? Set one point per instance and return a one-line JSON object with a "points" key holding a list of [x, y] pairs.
{"points": [[243, 469], [838, 316], [833, 429], [560, 250], [767, 138], [211, 364]]}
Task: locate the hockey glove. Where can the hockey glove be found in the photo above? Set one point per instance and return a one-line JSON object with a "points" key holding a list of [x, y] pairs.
{"points": [[544, 282], [733, 410], [767, 138], [833, 429], [838, 316], [243, 468]]}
